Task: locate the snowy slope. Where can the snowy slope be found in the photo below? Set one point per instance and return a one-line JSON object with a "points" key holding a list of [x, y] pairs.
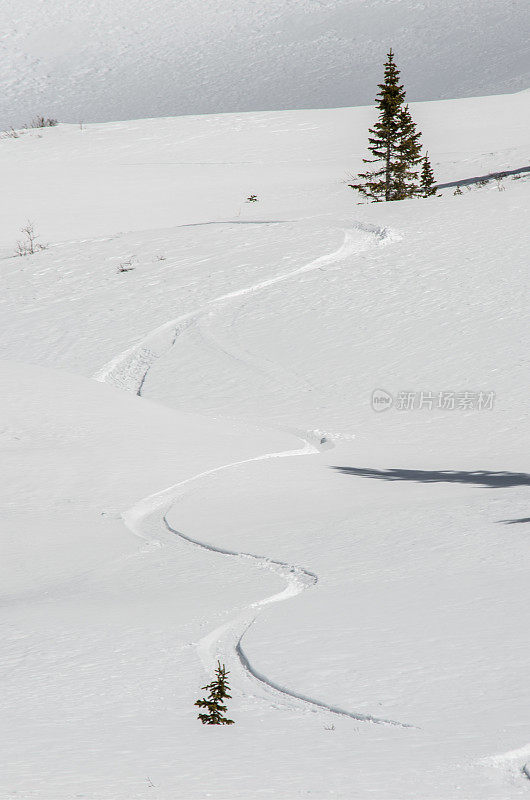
{"points": [[362, 574], [102, 60], [72, 183], [96, 621]]}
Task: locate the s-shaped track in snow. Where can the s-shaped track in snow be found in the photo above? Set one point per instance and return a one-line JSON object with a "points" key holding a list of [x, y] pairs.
{"points": [[129, 371], [150, 515]]}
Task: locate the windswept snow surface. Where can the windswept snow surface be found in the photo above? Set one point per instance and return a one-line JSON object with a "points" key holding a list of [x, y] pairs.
{"points": [[100, 60], [363, 575]]}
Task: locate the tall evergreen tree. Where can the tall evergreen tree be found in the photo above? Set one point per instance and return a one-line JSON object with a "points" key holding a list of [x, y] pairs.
{"points": [[378, 183], [218, 690], [393, 143], [427, 184]]}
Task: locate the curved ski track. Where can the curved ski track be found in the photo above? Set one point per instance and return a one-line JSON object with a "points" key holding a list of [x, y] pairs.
{"points": [[129, 370], [228, 637]]}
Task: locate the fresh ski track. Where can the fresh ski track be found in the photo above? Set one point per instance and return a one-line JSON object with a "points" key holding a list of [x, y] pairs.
{"points": [[516, 762], [146, 519], [129, 369]]}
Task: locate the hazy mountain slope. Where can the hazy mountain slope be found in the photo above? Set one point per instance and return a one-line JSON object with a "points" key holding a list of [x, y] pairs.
{"points": [[99, 60]]}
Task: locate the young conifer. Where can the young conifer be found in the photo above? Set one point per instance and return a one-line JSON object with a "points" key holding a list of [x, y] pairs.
{"points": [[218, 690], [408, 158], [427, 184]]}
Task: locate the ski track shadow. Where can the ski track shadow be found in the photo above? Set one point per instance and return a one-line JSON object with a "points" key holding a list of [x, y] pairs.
{"points": [[236, 222]]}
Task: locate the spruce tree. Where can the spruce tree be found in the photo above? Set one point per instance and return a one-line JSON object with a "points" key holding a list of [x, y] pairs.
{"points": [[377, 184], [408, 157], [218, 690], [427, 184], [393, 143]]}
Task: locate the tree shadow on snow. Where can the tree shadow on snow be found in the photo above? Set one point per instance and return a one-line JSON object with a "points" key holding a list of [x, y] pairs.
{"points": [[490, 480], [514, 521], [478, 178]]}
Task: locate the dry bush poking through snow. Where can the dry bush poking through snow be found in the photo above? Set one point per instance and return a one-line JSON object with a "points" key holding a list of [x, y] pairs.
{"points": [[43, 122], [29, 244]]}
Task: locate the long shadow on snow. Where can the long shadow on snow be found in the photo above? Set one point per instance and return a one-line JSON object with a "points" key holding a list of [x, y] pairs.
{"points": [[488, 177], [490, 480]]}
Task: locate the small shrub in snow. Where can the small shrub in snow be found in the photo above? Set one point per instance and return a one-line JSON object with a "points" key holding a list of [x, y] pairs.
{"points": [[11, 134], [29, 244], [253, 198], [218, 690], [43, 122], [458, 190], [126, 266]]}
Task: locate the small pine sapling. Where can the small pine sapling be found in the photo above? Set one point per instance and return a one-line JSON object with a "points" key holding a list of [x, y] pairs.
{"points": [[427, 185], [218, 690], [458, 190], [253, 198]]}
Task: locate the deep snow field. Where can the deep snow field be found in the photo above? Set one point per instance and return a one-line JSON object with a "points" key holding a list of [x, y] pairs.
{"points": [[193, 470]]}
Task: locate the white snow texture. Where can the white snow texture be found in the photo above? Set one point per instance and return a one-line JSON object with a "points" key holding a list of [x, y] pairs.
{"points": [[192, 469]]}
